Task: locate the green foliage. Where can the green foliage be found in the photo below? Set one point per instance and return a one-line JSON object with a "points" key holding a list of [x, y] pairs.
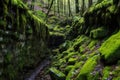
{"points": [[110, 49], [68, 68], [76, 28], [72, 60], [118, 78], [100, 32], [14, 2], [87, 67], [79, 41], [72, 71], [116, 72], [93, 76], [104, 3], [40, 14], [112, 9], [106, 72], [57, 74], [92, 44]]}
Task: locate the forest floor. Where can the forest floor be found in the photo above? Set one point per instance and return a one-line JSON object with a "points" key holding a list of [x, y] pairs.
{"points": [[41, 71]]}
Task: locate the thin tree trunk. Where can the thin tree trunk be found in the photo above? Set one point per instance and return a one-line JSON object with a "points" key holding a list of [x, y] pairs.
{"points": [[77, 6], [54, 7], [83, 6], [70, 13], [48, 3], [49, 8], [89, 3], [58, 8]]}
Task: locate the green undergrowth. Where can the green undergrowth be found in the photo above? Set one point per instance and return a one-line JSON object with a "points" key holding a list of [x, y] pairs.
{"points": [[91, 51], [110, 49], [71, 60], [82, 59]]}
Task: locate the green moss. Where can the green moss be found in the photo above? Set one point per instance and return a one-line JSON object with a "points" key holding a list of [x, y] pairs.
{"points": [[81, 21], [72, 60], [93, 76], [56, 34], [106, 72], [110, 49], [14, 2], [116, 72], [81, 48], [100, 5], [72, 71], [112, 9], [117, 78], [65, 46], [62, 61], [87, 68], [79, 41], [70, 54], [99, 33], [92, 43], [83, 57], [68, 68], [57, 74]]}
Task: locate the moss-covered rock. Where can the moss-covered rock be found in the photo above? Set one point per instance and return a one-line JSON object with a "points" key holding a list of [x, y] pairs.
{"points": [[56, 39], [93, 76], [74, 70], [72, 60], [116, 72], [79, 41], [106, 73], [100, 32], [92, 44], [68, 68], [88, 67], [110, 49], [57, 74]]}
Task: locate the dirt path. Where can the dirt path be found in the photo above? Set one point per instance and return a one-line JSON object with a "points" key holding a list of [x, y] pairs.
{"points": [[38, 69]]}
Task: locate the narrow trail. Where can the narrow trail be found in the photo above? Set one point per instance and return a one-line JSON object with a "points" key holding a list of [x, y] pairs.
{"points": [[38, 69]]}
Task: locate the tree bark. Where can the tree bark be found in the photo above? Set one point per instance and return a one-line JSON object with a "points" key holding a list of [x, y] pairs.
{"points": [[83, 6], [70, 13], [89, 3], [49, 8], [77, 6]]}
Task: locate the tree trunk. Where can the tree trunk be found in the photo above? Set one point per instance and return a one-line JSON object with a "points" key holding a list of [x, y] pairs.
{"points": [[77, 6], [58, 8], [83, 6], [89, 3], [70, 13], [49, 8]]}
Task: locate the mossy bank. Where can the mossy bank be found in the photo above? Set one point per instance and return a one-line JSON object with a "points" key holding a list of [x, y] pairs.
{"points": [[23, 40]]}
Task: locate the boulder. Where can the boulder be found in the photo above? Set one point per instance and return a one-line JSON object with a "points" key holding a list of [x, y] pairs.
{"points": [[88, 67], [110, 49]]}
